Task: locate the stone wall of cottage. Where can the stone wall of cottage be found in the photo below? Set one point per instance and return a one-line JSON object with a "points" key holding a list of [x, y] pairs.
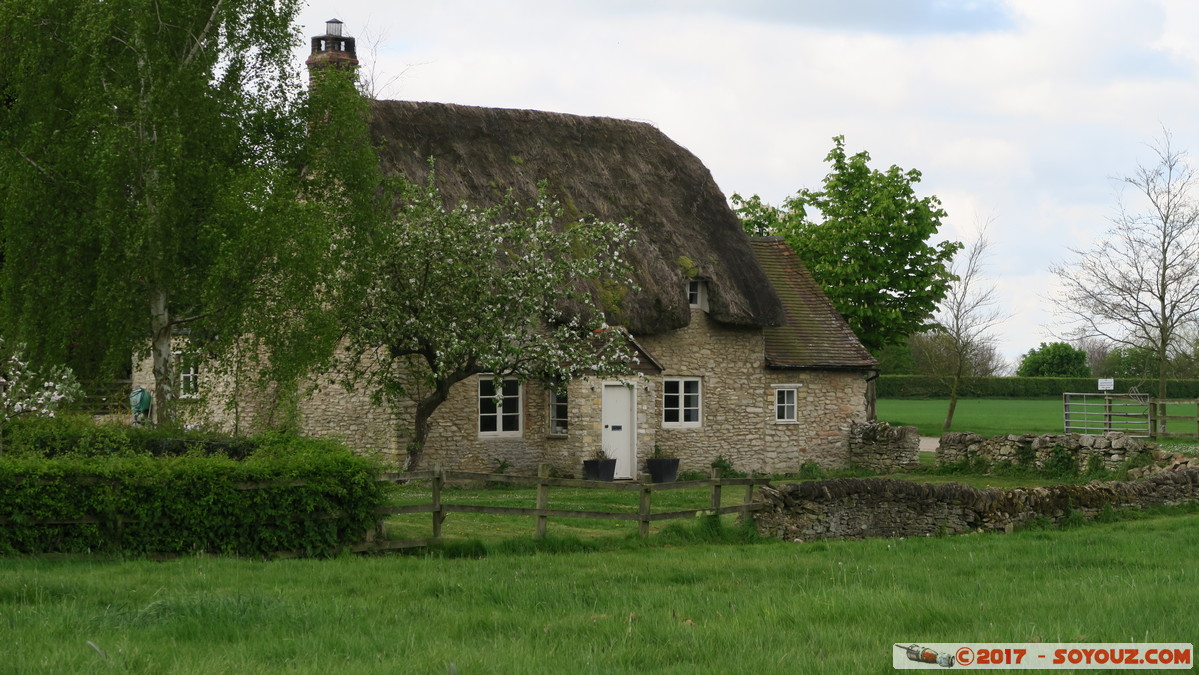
{"points": [[851, 508], [738, 417], [738, 413], [1112, 449], [454, 440], [233, 404]]}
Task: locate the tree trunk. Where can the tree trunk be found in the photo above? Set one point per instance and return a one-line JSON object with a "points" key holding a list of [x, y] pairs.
{"points": [[953, 404], [163, 410], [421, 423], [955, 385], [1161, 387]]}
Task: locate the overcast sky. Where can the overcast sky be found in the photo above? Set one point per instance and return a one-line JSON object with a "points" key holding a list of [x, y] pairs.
{"points": [[1022, 112]]}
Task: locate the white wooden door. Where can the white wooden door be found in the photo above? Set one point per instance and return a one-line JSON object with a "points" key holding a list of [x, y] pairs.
{"points": [[620, 430]]}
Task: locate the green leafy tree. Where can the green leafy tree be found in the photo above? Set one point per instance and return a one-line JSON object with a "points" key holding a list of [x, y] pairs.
{"points": [[441, 293], [151, 152], [1056, 359], [865, 237], [897, 359], [1130, 362]]}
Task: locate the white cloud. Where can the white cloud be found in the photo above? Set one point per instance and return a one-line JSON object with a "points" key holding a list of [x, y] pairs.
{"points": [[1022, 110]]}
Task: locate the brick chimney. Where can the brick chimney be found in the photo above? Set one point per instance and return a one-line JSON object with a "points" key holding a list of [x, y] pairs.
{"points": [[331, 50]]}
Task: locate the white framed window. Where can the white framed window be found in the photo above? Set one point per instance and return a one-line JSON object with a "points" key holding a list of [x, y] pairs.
{"points": [[784, 404], [187, 375], [559, 412], [500, 408], [697, 294], [682, 402]]}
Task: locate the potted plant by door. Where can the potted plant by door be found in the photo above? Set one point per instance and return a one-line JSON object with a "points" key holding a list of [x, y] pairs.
{"points": [[663, 466], [599, 467]]}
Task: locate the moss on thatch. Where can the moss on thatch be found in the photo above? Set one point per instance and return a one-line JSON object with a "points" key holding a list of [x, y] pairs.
{"points": [[610, 169]]}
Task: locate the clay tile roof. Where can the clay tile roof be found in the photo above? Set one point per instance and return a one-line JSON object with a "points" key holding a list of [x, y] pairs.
{"points": [[814, 335]]}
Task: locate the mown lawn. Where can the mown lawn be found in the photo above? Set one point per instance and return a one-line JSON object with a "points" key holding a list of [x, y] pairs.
{"points": [[989, 417], [818, 607], [700, 595], [995, 417]]}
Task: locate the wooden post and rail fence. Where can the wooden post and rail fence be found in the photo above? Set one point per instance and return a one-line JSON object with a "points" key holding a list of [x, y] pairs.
{"points": [[439, 509], [1133, 414]]}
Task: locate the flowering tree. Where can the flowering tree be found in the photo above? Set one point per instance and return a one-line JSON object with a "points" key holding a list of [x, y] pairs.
{"points": [[442, 294], [28, 391]]}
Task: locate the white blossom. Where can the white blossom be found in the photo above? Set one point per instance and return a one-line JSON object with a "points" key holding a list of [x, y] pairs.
{"points": [[25, 391]]}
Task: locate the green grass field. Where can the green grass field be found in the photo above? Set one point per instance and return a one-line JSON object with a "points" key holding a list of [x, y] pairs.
{"points": [[994, 417], [989, 417], [699, 595], [809, 608]]}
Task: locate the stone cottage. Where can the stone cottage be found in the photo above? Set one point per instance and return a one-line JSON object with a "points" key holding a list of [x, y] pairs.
{"points": [[740, 354]]}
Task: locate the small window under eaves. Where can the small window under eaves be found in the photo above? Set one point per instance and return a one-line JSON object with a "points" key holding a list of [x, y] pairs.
{"points": [[697, 294]]}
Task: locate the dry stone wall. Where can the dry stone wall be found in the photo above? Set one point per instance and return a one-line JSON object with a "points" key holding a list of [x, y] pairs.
{"points": [[882, 448], [1112, 449], [851, 508]]}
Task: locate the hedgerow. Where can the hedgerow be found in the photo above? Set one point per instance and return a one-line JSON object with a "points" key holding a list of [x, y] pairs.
{"points": [[921, 386], [109, 494]]}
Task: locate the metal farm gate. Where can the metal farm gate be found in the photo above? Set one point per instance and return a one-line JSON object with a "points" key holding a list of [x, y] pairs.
{"points": [[1134, 414], [1101, 413]]}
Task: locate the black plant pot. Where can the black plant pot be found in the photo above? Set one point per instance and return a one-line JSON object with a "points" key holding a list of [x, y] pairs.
{"points": [[599, 469], [662, 470]]}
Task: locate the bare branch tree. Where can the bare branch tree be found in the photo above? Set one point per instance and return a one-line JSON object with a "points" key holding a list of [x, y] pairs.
{"points": [[966, 318], [372, 83], [1097, 350], [1140, 285]]}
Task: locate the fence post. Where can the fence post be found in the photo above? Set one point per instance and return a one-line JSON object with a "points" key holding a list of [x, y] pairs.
{"points": [[716, 488], [438, 515], [543, 498], [1152, 419], [1066, 412], [643, 511]]}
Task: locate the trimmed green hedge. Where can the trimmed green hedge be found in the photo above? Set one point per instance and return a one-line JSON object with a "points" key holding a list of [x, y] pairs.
{"points": [[288, 495], [919, 386], [78, 435]]}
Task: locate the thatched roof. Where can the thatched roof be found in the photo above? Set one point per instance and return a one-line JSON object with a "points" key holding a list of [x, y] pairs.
{"points": [[614, 170], [815, 335]]}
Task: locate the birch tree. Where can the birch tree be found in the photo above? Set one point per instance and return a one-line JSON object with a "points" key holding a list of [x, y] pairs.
{"points": [[150, 151]]}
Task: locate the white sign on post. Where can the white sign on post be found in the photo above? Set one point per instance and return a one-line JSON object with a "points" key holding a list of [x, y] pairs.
{"points": [[1107, 384]]}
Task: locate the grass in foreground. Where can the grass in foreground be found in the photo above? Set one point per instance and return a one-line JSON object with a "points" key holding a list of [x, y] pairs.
{"points": [[808, 608]]}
